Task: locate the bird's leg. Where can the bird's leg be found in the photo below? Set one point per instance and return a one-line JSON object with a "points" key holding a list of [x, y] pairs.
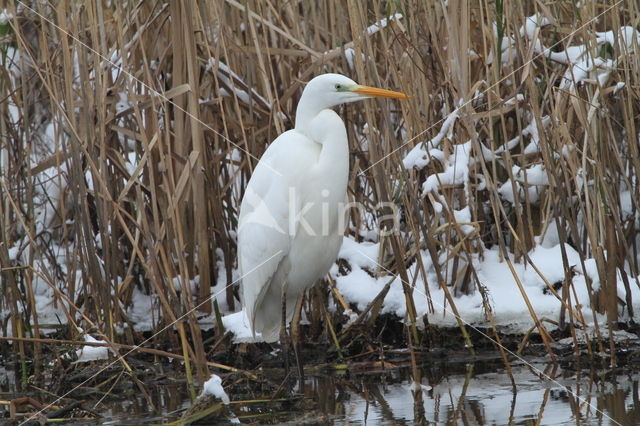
{"points": [[284, 337], [295, 338]]}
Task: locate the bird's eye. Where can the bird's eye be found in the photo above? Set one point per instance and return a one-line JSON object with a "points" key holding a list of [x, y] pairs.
{"points": [[338, 87]]}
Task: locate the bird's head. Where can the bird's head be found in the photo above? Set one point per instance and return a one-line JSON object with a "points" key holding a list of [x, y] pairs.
{"points": [[329, 90]]}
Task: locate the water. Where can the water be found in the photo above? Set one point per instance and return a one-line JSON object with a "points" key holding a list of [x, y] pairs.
{"points": [[478, 393], [489, 399]]}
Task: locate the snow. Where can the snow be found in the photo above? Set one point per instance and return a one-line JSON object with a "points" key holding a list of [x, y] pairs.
{"points": [[192, 284], [13, 253], [363, 255], [549, 238], [418, 157], [456, 169], [372, 29], [532, 23], [238, 324], [142, 311], [508, 189], [519, 98], [213, 387], [463, 217], [507, 302], [533, 131], [583, 69], [5, 16], [578, 64], [627, 37], [583, 63], [534, 175], [228, 77], [92, 353], [361, 288]]}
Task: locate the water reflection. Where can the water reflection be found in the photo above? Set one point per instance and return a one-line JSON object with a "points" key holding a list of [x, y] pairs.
{"points": [[483, 399], [448, 394]]}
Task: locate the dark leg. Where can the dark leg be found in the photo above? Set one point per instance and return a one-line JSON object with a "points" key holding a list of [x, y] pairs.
{"points": [[295, 338], [284, 336]]}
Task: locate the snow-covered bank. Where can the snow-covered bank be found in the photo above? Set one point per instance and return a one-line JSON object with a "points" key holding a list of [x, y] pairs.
{"points": [[359, 287], [507, 302]]}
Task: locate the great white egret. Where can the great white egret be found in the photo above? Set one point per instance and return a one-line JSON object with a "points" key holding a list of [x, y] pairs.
{"points": [[289, 229]]}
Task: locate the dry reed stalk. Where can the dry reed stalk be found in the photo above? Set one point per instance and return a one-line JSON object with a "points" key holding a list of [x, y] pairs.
{"points": [[151, 171]]}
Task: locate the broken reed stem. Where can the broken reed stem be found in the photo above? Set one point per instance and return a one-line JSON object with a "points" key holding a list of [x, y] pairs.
{"points": [[186, 358], [544, 334], [492, 323], [449, 299], [332, 333]]}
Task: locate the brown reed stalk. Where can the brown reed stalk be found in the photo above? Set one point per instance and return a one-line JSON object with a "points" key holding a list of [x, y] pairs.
{"points": [[152, 157]]}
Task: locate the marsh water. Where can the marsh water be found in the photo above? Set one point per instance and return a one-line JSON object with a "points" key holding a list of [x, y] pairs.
{"points": [[450, 393]]}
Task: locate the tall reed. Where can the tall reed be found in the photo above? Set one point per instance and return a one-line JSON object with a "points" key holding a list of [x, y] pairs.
{"points": [[129, 131]]}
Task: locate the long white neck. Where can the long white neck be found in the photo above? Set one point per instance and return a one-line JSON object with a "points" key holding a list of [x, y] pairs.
{"points": [[328, 130], [308, 109], [316, 120]]}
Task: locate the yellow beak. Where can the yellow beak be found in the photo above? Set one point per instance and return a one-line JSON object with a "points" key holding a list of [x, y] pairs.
{"points": [[379, 93]]}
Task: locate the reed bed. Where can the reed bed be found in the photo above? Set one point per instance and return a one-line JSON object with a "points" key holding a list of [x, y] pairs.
{"points": [[129, 130]]}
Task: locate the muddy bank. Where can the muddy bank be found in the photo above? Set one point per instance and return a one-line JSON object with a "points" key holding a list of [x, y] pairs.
{"points": [[155, 388]]}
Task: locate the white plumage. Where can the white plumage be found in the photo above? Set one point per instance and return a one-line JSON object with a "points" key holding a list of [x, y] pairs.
{"points": [[291, 217]]}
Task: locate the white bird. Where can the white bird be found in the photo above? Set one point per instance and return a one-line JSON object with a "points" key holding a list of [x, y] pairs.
{"points": [[292, 215]]}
